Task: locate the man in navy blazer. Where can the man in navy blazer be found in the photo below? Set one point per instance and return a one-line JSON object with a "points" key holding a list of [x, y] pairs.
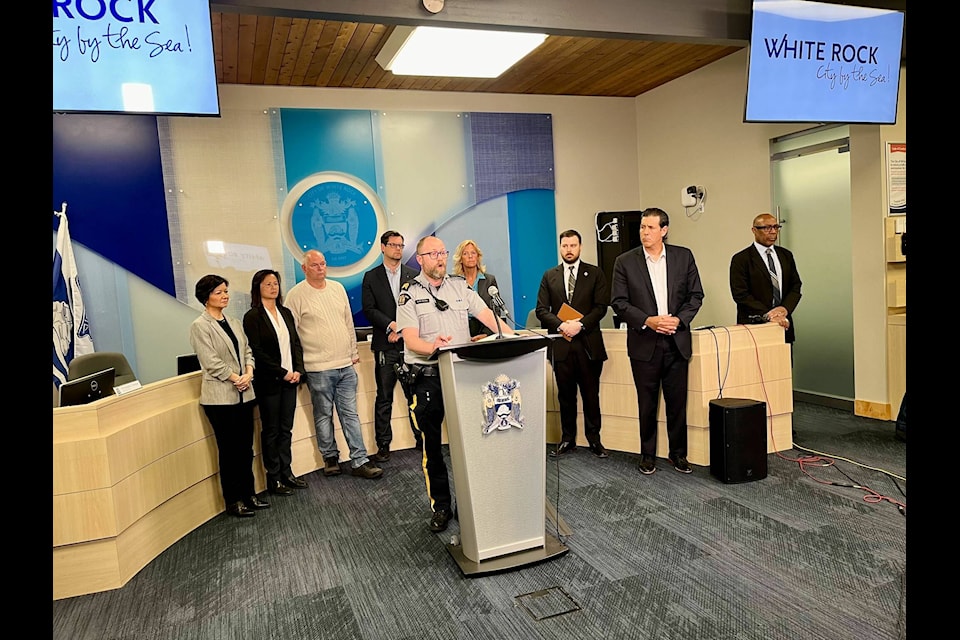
{"points": [[751, 284], [657, 292], [578, 355], [379, 291]]}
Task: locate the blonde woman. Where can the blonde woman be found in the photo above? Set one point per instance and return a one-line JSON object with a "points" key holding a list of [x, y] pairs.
{"points": [[468, 262]]}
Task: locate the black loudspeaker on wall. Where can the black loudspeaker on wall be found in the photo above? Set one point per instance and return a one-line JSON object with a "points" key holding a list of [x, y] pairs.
{"points": [[617, 231], [738, 440]]}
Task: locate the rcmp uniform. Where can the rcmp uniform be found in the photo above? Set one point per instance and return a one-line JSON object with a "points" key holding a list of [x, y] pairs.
{"points": [[443, 310]]}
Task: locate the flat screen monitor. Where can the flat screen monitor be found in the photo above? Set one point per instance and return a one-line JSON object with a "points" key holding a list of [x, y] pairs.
{"points": [[134, 57], [88, 388], [823, 63], [187, 363]]}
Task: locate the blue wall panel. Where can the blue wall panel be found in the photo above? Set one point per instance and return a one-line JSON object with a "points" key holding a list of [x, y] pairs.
{"points": [[107, 169]]}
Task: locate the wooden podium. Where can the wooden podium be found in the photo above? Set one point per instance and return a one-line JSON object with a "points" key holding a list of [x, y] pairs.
{"points": [[494, 397]]}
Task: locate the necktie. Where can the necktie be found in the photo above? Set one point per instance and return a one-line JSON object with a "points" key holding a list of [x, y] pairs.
{"points": [[774, 280], [571, 281]]}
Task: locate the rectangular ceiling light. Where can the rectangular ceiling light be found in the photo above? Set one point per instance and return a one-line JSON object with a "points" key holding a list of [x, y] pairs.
{"points": [[459, 53]]}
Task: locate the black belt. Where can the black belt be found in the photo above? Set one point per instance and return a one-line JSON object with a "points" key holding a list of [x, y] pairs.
{"points": [[428, 370]]}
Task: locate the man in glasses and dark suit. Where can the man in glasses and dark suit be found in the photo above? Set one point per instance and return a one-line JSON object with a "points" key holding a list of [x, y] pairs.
{"points": [[764, 280], [433, 311], [379, 293]]}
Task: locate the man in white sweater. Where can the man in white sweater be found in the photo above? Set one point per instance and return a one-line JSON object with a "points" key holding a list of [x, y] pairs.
{"points": [[325, 325]]}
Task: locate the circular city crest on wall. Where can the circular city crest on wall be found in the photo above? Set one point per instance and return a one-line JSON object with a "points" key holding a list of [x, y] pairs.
{"points": [[338, 214]]}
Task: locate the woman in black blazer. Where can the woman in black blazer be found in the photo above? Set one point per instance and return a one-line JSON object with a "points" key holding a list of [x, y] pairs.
{"points": [[468, 262], [278, 356]]}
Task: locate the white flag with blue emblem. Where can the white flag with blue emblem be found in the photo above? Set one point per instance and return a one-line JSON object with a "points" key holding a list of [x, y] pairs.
{"points": [[71, 330]]}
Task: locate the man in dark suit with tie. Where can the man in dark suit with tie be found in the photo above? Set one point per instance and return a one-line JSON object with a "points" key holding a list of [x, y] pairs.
{"points": [[379, 291], [578, 355], [656, 290], [764, 280]]}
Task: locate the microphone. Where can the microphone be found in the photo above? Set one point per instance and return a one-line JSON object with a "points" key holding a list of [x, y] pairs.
{"points": [[497, 300], [498, 305]]}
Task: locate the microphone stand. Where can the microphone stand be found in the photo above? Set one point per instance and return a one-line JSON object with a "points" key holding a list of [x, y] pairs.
{"points": [[496, 317]]}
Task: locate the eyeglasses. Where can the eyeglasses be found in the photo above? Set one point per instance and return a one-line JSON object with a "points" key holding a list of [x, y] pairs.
{"points": [[396, 245], [435, 255], [769, 227]]}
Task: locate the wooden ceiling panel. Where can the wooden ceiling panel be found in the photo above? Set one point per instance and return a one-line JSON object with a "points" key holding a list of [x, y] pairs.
{"points": [[261, 49], [265, 50], [278, 44]]}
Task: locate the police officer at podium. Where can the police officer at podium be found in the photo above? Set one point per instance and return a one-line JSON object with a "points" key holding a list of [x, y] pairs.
{"points": [[432, 312]]}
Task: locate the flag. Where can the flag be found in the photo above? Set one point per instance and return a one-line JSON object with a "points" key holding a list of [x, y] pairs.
{"points": [[71, 330]]}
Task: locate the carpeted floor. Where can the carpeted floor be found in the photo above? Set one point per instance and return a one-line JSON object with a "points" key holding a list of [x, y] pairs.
{"points": [[816, 550]]}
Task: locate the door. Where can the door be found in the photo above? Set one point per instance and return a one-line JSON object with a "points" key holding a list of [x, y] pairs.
{"points": [[810, 175]]}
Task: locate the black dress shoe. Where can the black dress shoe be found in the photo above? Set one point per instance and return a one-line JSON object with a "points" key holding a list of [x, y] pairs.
{"points": [[253, 502], [565, 447], [440, 520], [277, 488], [295, 483], [240, 510], [597, 449]]}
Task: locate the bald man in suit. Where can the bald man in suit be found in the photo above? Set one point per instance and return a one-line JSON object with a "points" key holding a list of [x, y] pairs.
{"points": [[656, 290], [751, 279]]}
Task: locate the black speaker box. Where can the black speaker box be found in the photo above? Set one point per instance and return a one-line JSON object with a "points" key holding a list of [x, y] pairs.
{"points": [[738, 440], [617, 232]]}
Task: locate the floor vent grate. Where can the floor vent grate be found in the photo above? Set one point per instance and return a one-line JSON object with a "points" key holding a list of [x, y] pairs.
{"points": [[547, 603]]}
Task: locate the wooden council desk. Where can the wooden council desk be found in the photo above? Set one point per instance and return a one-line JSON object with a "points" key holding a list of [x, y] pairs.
{"points": [[134, 473], [746, 361]]}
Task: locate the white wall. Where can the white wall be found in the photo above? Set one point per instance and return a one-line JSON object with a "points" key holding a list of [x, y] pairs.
{"points": [[691, 131], [593, 137], [611, 153], [225, 171]]}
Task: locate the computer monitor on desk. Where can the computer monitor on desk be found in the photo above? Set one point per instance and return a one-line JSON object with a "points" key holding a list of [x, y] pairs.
{"points": [[88, 388], [187, 363]]}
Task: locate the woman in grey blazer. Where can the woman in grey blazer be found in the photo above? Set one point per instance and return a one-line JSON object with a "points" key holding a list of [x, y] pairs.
{"points": [[226, 393]]}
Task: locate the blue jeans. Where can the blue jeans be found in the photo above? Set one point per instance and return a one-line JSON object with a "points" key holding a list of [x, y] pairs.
{"points": [[337, 387]]}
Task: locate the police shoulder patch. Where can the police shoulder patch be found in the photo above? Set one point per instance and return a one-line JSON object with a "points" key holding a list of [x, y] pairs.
{"points": [[403, 298]]}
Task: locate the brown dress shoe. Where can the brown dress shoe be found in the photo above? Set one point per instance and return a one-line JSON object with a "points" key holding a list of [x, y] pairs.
{"points": [[367, 470]]}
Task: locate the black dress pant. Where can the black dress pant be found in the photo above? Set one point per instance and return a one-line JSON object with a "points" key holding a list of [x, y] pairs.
{"points": [[233, 429], [383, 405], [574, 372], [426, 414], [276, 430], [667, 369]]}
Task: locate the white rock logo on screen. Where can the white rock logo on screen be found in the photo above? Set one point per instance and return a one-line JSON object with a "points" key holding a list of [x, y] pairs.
{"points": [[338, 214]]}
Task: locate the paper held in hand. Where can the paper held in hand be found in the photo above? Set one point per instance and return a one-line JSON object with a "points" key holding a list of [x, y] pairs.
{"points": [[568, 314]]}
